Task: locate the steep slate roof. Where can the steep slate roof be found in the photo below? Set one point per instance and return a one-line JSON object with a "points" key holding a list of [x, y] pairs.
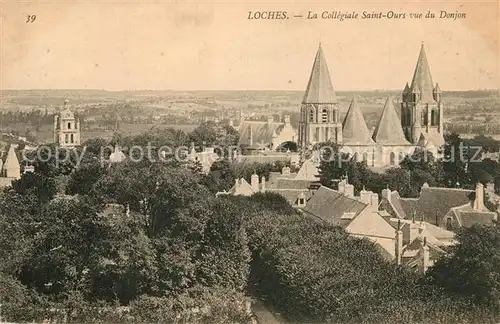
{"points": [[354, 129], [388, 129], [433, 203], [319, 88], [292, 195], [422, 79], [329, 205], [467, 216], [262, 132]]}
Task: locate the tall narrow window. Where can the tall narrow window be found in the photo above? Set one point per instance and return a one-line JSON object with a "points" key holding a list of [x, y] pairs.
{"points": [[69, 125], [71, 138], [65, 138], [324, 116], [433, 118], [392, 158], [311, 115], [365, 157], [448, 224]]}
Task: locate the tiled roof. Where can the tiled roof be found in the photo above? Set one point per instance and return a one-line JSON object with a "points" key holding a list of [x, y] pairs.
{"points": [[319, 88], [469, 218], [291, 195], [329, 205], [388, 130], [354, 129], [433, 203], [290, 184], [422, 79], [261, 133]]}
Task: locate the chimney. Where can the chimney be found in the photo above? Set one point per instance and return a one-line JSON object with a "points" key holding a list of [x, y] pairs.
{"points": [[287, 119], [270, 119], [263, 184], [374, 200], [342, 187], [399, 244], [349, 190], [365, 196], [386, 193], [479, 200], [254, 182], [425, 257]]}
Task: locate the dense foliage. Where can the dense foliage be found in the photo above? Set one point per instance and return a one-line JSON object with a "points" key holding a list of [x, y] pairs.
{"points": [[143, 242]]}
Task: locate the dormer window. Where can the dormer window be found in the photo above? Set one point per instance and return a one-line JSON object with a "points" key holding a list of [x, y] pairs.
{"points": [[448, 224]]}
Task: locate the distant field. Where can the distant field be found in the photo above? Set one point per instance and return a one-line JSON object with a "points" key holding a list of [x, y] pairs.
{"points": [[46, 135]]}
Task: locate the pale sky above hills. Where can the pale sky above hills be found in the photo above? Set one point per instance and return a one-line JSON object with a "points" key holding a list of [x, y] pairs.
{"points": [[213, 46]]}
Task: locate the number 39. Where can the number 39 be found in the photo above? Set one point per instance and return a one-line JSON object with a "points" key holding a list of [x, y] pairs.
{"points": [[30, 18]]}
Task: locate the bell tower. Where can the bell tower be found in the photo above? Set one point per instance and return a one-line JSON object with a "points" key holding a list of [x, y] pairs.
{"points": [[319, 112], [66, 128], [421, 107]]}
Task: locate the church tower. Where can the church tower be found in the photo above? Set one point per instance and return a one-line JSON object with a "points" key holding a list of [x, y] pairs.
{"points": [[66, 128], [422, 108], [319, 112]]}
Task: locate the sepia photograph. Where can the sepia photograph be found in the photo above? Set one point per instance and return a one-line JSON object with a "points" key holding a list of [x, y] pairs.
{"points": [[249, 162]]}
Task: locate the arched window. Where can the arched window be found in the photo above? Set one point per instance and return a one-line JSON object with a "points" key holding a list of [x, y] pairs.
{"points": [[69, 125], [392, 158], [365, 157], [402, 156], [355, 157], [324, 116], [433, 118], [71, 138], [311, 115], [65, 138]]}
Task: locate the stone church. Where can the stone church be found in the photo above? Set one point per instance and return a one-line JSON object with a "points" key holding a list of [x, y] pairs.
{"points": [[421, 122]]}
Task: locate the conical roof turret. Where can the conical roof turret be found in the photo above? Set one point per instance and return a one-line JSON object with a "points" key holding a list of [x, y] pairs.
{"points": [[422, 79], [319, 88], [354, 129], [388, 129]]}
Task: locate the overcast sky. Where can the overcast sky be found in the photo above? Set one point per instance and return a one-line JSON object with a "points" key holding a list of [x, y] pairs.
{"points": [[212, 46]]}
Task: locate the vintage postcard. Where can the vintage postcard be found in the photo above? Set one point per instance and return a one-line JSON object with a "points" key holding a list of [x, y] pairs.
{"points": [[250, 161]]}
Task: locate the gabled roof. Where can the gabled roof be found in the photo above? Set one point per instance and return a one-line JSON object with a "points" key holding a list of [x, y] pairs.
{"points": [[11, 160], [354, 129], [329, 206], [422, 79], [388, 129], [319, 88]]}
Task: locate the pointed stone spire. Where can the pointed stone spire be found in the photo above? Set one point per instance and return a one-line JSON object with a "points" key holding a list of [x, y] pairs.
{"points": [[389, 130], [422, 78], [406, 89], [319, 88], [11, 166], [437, 89], [354, 129]]}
